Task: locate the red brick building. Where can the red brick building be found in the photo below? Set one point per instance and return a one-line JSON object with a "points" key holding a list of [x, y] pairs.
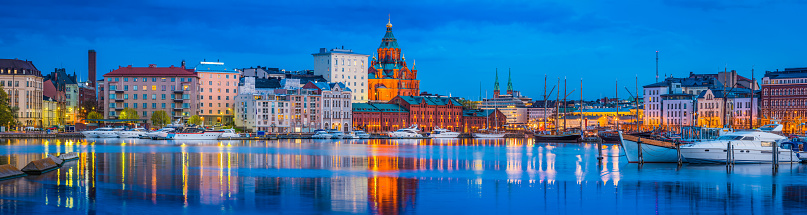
{"points": [[429, 112], [784, 98], [426, 112]]}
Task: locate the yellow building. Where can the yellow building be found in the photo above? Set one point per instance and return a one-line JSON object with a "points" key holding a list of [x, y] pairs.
{"points": [[389, 76]]}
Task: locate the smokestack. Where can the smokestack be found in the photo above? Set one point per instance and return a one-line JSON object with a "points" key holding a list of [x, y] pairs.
{"points": [[91, 67]]}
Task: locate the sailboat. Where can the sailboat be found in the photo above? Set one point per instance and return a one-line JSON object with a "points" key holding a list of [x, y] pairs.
{"points": [[558, 137], [487, 133]]}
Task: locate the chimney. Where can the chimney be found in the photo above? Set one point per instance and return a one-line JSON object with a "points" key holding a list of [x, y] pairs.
{"points": [[91, 67]]}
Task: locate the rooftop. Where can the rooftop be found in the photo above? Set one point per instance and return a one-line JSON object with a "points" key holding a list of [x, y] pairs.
{"points": [[151, 70]]}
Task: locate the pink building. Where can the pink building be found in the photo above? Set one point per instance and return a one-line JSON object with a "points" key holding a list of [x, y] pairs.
{"points": [[218, 87], [149, 89]]}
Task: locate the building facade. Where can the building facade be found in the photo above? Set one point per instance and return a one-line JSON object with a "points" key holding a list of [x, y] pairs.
{"points": [[218, 87], [784, 98], [22, 81], [148, 89], [282, 106], [389, 75], [335, 106], [379, 117], [345, 66]]}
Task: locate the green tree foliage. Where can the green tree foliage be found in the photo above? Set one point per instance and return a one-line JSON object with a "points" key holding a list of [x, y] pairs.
{"points": [[195, 120], [467, 104], [94, 115], [160, 119], [128, 113], [8, 116], [86, 108]]}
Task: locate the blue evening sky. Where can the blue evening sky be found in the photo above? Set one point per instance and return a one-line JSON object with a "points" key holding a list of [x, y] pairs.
{"points": [[457, 44]]}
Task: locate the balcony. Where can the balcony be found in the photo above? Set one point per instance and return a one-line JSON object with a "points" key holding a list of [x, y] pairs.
{"points": [[118, 108], [179, 108], [179, 91], [178, 99], [119, 99], [118, 90]]}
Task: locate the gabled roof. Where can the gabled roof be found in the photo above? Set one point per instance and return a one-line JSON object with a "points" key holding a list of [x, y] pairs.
{"points": [[17, 64], [151, 70]]}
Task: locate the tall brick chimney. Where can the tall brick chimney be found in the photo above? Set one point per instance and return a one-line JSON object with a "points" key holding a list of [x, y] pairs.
{"points": [[91, 67]]}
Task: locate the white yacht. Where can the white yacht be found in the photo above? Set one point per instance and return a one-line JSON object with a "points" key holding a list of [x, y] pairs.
{"points": [[160, 134], [361, 134], [412, 131], [321, 135], [132, 133], [350, 135], [92, 133], [109, 132], [229, 133], [754, 146], [335, 134], [443, 133], [193, 133]]}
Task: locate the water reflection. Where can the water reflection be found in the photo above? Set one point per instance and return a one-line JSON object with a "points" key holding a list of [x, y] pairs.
{"points": [[380, 176]]}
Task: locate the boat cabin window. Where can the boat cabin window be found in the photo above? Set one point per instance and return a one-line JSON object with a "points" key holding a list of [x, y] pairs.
{"points": [[748, 138], [766, 144], [730, 137]]}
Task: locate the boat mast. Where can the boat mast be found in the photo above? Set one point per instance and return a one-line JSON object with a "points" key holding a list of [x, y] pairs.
{"points": [[545, 102], [616, 85], [582, 127], [557, 108], [637, 103], [564, 104]]}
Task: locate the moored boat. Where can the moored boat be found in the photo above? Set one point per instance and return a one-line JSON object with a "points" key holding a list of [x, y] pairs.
{"points": [[652, 151], [160, 134], [409, 132], [132, 133], [443, 133], [229, 133], [571, 137], [193, 133], [108, 132], [753, 146], [321, 135]]}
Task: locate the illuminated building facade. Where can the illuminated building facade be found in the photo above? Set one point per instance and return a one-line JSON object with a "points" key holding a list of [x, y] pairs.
{"points": [[218, 87], [22, 81], [148, 89], [426, 112], [388, 75], [784, 98], [345, 66]]}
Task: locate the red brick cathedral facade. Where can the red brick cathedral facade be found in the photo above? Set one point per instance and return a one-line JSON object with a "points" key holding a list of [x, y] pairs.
{"points": [[388, 75]]}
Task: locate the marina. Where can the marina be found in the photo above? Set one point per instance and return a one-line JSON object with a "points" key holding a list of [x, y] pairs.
{"points": [[390, 176]]}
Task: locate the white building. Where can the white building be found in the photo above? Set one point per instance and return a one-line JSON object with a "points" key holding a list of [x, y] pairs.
{"points": [[336, 106], [677, 109], [652, 102], [343, 65]]}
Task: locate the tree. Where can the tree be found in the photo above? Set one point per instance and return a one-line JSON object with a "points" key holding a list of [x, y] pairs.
{"points": [[128, 113], [160, 119], [86, 108], [467, 104], [8, 115], [195, 120], [94, 115]]}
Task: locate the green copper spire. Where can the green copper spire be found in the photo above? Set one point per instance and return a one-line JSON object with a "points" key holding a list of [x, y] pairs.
{"points": [[509, 82], [496, 84]]}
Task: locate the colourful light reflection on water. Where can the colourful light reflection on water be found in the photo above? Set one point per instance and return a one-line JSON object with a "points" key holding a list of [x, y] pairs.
{"points": [[381, 176]]}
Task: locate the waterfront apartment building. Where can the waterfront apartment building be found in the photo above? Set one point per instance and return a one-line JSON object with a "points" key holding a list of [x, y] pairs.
{"points": [[335, 106], [784, 98], [218, 87], [22, 81], [278, 106], [345, 66], [68, 99], [149, 89], [721, 107]]}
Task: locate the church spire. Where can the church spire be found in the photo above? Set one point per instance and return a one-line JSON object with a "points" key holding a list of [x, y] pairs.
{"points": [[496, 85], [509, 83]]}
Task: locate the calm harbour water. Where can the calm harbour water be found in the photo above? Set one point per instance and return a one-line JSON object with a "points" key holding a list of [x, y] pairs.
{"points": [[467, 176]]}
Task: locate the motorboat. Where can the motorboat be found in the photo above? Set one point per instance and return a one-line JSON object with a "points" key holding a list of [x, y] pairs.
{"points": [[229, 133], [335, 134], [568, 137], [443, 133], [350, 135], [160, 134], [753, 146], [321, 135], [361, 134], [640, 149], [409, 132], [609, 136], [488, 134], [92, 133], [194, 133], [132, 133], [109, 132]]}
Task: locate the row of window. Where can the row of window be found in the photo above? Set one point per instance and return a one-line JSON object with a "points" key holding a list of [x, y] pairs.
{"points": [[145, 105], [145, 114], [145, 88], [145, 96], [126, 79]]}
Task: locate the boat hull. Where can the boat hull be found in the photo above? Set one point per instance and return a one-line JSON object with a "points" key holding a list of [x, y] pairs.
{"points": [[445, 135], [650, 153], [131, 134], [558, 138], [715, 155], [208, 135], [481, 135], [89, 134], [107, 134]]}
